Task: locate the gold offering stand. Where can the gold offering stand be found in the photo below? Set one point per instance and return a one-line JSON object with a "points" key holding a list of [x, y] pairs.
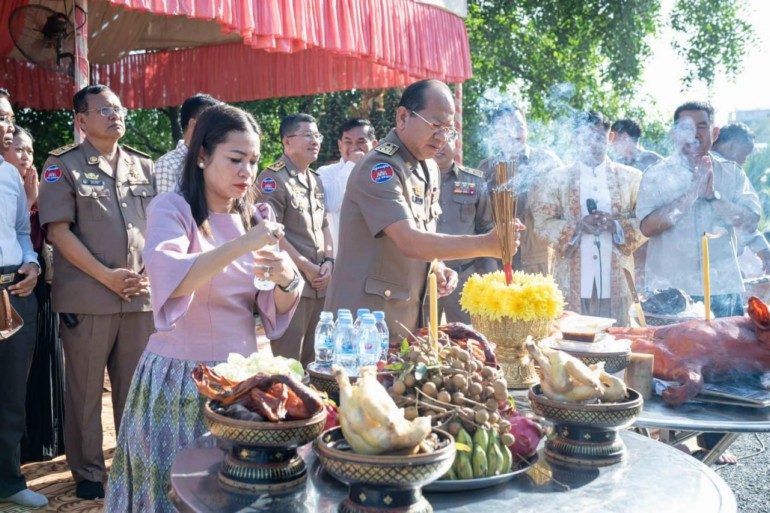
{"points": [[262, 456], [510, 335], [586, 434]]}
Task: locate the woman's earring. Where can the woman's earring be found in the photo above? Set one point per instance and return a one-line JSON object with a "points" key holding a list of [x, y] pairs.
{"points": [[201, 165]]}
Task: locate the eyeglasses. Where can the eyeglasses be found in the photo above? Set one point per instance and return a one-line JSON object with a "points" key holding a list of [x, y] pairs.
{"points": [[310, 136], [108, 111], [8, 120], [450, 133]]}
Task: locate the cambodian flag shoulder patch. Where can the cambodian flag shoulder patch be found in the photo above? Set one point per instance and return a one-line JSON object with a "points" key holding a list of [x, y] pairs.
{"points": [[268, 185], [52, 174], [382, 173]]}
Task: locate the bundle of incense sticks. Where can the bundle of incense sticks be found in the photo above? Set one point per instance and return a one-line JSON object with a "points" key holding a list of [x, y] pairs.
{"points": [[504, 200]]}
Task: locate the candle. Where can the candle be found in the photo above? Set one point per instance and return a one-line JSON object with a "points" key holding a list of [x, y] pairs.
{"points": [[639, 373], [706, 279], [433, 297]]}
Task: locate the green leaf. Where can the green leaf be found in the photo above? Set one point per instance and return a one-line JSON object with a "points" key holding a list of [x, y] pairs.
{"points": [[405, 348], [395, 366]]}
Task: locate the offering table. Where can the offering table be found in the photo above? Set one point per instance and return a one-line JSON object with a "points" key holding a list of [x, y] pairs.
{"points": [[655, 477]]}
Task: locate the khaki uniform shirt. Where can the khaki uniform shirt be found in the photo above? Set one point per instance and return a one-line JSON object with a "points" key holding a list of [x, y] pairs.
{"points": [[106, 210], [465, 210], [386, 186], [534, 254], [298, 201]]}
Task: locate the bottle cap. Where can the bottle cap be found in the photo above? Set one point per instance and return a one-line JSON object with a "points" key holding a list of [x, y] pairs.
{"points": [[379, 315]]}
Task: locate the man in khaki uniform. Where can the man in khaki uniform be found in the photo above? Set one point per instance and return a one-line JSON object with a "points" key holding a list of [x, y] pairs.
{"points": [[296, 194], [465, 210], [511, 135], [93, 200], [389, 213]]}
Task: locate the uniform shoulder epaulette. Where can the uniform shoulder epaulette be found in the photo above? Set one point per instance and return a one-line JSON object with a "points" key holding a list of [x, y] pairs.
{"points": [[64, 149], [471, 171], [276, 166], [134, 150], [387, 148]]}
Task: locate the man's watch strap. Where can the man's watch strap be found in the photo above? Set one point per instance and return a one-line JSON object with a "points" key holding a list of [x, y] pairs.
{"points": [[328, 259], [293, 284]]}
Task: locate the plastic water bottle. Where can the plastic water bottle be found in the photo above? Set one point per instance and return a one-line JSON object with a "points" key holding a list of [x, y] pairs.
{"points": [[359, 315], [382, 328], [369, 342], [346, 345], [324, 340], [341, 311]]}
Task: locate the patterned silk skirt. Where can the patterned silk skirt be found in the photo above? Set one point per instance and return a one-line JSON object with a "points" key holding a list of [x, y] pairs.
{"points": [[163, 415]]}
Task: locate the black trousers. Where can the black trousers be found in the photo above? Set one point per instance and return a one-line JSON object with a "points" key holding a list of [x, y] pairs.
{"points": [[16, 358]]}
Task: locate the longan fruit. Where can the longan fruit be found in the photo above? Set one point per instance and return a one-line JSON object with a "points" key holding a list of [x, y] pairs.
{"points": [[430, 389], [411, 413], [399, 387]]}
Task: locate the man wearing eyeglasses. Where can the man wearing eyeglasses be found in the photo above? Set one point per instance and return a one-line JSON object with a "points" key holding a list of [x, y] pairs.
{"points": [[389, 214], [93, 200], [296, 194]]}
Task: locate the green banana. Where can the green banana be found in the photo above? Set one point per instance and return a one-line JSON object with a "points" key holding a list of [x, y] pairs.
{"points": [[481, 439], [507, 458], [479, 461], [449, 475], [464, 468], [463, 437], [494, 455]]}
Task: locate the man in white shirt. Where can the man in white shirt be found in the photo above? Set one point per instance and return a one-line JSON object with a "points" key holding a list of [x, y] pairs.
{"points": [[357, 137], [168, 168]]}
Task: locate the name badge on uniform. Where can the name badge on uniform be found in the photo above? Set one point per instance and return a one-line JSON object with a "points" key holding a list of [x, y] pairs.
{"points": [[465, 188], [418, 200]]}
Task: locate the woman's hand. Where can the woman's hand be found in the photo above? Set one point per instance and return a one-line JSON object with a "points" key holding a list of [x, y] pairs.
{"points": [[266, 233], [31, 186], [275, 266]]}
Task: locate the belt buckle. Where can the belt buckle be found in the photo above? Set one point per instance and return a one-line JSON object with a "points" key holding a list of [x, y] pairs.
{"points": [[7, 278]]}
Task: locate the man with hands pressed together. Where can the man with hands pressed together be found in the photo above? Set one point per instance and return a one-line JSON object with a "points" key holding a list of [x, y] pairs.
{"points": [[93, 200], [389, 214], [691, 193], [296, 194]]}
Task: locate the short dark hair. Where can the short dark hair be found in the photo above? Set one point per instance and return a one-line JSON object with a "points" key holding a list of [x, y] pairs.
{"points": [[4, 92], [21, 130], [80, 100], [193, 106], [735, 132], [213, 127], [627, 126], [290, 124], [704, 106], [506, 110], [352, 123], [592, 118], [414, 97]]}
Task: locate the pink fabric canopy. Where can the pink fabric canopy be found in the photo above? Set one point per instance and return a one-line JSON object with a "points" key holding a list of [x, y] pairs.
{"points": [[247, 49]]}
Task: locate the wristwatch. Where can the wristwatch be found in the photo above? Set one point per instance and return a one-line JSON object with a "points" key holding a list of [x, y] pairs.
{"points": [[293, 284], [328, 259], [715, 197]]}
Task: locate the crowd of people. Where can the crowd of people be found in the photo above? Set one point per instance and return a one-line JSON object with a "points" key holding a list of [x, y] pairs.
{"points": [[159, 266]]}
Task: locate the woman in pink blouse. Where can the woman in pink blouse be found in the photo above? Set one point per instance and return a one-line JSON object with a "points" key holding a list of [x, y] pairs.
{"points": [[204, 251]]}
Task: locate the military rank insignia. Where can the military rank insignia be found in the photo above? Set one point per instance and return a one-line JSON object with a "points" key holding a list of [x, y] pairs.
{"points": [[465, 188], [92, 179]]}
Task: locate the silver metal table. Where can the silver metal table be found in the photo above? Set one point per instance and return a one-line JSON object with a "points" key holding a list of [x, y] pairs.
{"points": [[655, 477], [696, 417]]}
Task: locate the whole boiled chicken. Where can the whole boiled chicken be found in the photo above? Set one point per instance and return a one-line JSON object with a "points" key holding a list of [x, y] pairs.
{"points": [[692, 351], [565, 378], [370, 419]]}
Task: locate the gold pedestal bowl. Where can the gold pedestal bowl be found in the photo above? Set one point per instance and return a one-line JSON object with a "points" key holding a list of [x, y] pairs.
{"points": [[586, 434], [262, 456], [510, 335], [383, 483]]}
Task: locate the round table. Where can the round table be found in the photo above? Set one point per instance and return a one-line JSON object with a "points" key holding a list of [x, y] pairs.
{"points": [[696, 417], [655, 477]]}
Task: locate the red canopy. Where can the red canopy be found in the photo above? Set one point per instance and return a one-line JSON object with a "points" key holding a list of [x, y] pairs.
{"points": [[241, 50]]}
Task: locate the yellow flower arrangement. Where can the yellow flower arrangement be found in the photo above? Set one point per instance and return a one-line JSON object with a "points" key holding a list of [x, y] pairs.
{"points": [[529, 297]]}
